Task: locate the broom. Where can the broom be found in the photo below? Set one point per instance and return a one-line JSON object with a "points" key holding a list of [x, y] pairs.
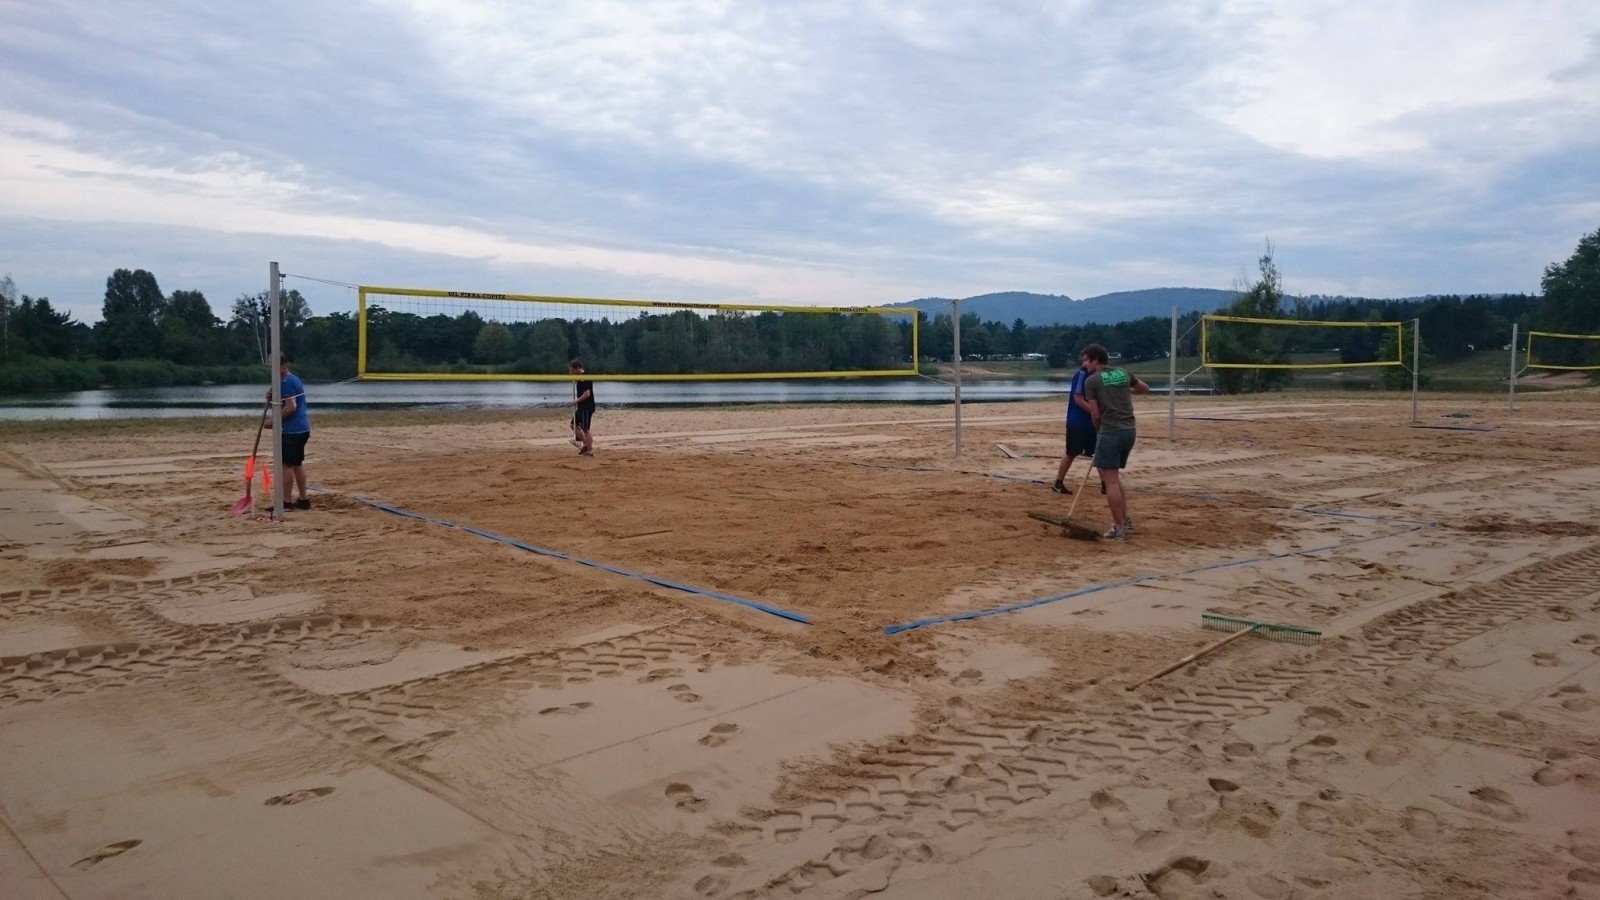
{"points": [[1292, 633], [1072, 529]]}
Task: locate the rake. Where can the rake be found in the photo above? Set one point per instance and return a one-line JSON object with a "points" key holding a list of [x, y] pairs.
{"points": [[1074, 530], [1241, 627]]}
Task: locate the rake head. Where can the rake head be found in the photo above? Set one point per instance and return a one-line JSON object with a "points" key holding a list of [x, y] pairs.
{"points": [[1292, 633]]}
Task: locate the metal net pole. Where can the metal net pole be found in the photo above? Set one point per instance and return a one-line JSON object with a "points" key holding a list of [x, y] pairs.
{"points": [[955, 307]]}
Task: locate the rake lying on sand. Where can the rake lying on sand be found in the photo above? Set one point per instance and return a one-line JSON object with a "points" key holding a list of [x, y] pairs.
{"points": [[1241, 627]]}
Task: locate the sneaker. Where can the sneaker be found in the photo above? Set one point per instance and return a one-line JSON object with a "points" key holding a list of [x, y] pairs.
{"points": [[302, 503], [587, 451], [1116, 534], [1127, 526], [1060, 487]]}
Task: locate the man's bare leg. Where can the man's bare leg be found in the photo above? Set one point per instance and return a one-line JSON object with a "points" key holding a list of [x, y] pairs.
{"points": [[1114, 496]]}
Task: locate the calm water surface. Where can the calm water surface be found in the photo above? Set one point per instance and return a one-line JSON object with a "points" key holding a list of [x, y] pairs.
{"points": [[240, 399]]}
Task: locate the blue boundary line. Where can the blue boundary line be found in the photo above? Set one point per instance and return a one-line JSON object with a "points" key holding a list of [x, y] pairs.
{"points": [[1410, 526], [1140, 579], [604, 567]]}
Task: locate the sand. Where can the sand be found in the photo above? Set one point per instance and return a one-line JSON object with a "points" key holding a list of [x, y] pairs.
{"points": [[354, 703]]}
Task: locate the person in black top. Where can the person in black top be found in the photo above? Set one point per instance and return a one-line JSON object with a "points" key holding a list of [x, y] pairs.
{"points": [[585, 408]]}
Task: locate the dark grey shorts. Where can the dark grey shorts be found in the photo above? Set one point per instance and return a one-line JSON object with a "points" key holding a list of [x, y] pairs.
{"points": [[1113, 448]]}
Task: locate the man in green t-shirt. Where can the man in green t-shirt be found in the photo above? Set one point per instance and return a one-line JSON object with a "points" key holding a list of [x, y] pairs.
{"points": [[1109, 393]]}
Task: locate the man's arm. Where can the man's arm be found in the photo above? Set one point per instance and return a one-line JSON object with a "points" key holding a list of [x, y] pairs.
{"points": [[1139, 387], [1079, 399], [582, 397], [1094, 411]]}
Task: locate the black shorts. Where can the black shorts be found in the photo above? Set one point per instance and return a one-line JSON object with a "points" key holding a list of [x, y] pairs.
{"points": [[294, 448], [1080, 440], [583, 416]]}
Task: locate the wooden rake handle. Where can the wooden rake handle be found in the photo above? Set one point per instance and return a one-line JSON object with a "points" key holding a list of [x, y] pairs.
{"points": [[1209, 648]]}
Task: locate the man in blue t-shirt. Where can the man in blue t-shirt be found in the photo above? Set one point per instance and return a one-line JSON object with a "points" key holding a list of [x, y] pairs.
{"points": [[1080, 428], [296, 432]]}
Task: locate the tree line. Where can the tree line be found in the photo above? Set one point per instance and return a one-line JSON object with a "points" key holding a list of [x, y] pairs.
{"points": [[148, 338]]}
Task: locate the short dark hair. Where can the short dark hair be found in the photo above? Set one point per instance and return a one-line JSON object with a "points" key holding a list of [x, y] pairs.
{"points": [[284, 358], [1097, 353], [574, 363]]}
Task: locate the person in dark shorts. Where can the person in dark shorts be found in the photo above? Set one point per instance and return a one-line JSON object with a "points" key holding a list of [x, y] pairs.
{"points": [[296, 432], [1109, 393], [1080, 428], [583, 415]]}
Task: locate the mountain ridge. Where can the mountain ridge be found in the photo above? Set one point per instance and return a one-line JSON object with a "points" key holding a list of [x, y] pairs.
{"points": [[1059, 309]]}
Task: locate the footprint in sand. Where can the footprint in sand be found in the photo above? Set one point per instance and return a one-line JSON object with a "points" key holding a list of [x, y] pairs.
{"points": [[105, 853], [1114, 813], [1190, 811], [1318, 718], [968, 678], [1239, 749], [1546, 660], [719, 735], [1178, 877], [684, 797], [1494, 803], [682, 694], [1385, 755], [1420, 823], [710, 885], [571, 709], [301, 796], [658, 674], [1587, 638]]}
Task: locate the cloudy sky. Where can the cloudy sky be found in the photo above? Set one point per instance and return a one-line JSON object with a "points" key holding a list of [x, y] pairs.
{"points": [[825, 152]]}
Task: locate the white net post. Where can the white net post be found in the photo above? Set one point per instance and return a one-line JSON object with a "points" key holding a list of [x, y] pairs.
{"points": [[1511, 380], [1416, 364], [275, 345], [1172, 381], [955, 324]]}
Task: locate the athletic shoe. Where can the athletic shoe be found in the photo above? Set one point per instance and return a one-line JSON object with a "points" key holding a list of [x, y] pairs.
{"points": [[1060, 488], [302, 503], [1116, 534], [1127, 526], [587, 451]]}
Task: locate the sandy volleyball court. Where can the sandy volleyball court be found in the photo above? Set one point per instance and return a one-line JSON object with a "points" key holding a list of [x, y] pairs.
{"points": [[735, 656]]}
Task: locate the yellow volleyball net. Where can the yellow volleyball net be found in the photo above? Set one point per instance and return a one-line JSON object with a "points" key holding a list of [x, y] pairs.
{"points": [[408, 334], [1563, 352]]}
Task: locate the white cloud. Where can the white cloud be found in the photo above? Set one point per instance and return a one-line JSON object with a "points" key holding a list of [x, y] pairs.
{"points": [[832, 152], [1339, 79]]}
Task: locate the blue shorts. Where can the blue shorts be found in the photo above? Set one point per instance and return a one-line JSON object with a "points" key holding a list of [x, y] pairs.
{"points": [[1113, 448]]}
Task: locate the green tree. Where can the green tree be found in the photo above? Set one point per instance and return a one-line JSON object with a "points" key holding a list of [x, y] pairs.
{"points": [[1572, 303], [131, 316], [548, 346], [36, 329], [1398, 378], [1247, 343], [188, 329], [252, 314], [492, 345]]}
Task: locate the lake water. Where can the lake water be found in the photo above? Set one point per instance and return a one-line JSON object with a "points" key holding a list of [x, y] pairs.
{"points": [[240, 399]]}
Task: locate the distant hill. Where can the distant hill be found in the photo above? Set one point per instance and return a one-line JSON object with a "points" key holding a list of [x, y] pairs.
{"points": [[1058, 309]]}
